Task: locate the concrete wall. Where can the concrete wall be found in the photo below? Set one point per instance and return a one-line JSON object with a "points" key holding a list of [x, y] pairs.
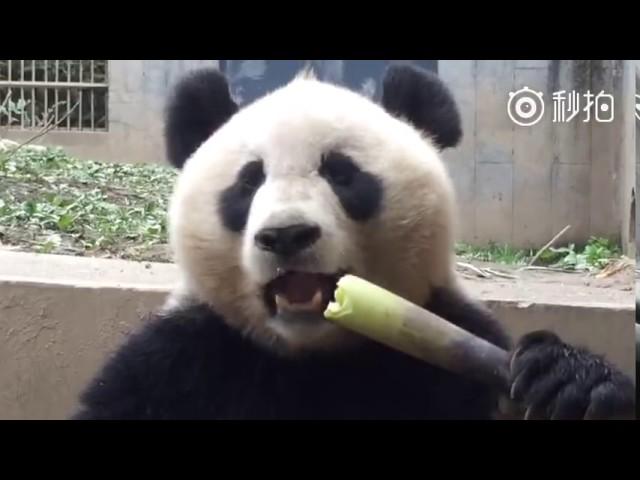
{"points": [[49, 351], [625, 156], [522, 185], [637, 159], [59, 319], [58, 322], [137, 95], [516, 185]]}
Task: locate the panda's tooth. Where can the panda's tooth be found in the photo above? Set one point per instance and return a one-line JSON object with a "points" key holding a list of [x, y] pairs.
{"points": [[282, 303], [316, 301]]}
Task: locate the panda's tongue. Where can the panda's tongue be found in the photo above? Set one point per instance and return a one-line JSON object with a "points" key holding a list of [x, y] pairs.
{"points": [[303, 291]]}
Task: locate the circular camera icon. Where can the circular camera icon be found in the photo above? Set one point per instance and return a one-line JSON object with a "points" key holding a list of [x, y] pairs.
{"points": [[525, 107]]}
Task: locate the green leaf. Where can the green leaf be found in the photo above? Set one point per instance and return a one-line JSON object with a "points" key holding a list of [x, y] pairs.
{"points": [[65, 221], [30, 207]]}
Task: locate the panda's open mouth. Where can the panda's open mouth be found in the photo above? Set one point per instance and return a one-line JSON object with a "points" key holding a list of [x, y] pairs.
{"points": [[303, 292]]}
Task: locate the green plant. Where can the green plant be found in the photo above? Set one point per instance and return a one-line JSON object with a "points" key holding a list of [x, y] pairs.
{"points": [[494, 253], [53, 203], [597, 253]]}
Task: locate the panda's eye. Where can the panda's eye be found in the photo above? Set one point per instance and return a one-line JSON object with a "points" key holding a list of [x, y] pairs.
{"points": [[338, 168], [252, 175]]}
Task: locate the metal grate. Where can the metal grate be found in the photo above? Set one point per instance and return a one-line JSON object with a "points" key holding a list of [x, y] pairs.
{"points": [[67, 95]]}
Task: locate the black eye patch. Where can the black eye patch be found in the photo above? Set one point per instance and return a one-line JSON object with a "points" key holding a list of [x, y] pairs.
{"points": [[235, 200], [359, 192]]}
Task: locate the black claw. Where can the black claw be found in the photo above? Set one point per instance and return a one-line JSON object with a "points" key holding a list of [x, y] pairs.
{"points": [[611, 400], [527, 368], [543, 393], [571, 403]]}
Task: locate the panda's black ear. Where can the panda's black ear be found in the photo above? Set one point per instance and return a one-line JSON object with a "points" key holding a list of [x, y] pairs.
{"points": [[423, 100], [200, 104]]}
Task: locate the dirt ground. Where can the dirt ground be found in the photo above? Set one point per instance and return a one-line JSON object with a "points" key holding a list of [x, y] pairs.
{"points": [[552, 286]]}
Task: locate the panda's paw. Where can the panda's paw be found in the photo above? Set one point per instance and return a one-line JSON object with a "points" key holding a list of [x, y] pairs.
{"points": [[553, 380]]}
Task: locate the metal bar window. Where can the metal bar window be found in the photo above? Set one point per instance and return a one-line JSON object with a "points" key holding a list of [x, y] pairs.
{"points": [[68, 89], [79, 89], [21, 104]]}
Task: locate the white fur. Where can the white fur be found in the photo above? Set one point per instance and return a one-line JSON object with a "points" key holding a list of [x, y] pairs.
{"points": [[407, 248], [280, 203]]}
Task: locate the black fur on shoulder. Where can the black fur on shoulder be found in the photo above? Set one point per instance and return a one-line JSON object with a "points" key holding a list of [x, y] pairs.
{"points": [[200, 104], [188, 364], [422, 99]]}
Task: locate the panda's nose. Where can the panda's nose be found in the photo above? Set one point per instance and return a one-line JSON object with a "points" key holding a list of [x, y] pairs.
{"points": [[287, 241]]}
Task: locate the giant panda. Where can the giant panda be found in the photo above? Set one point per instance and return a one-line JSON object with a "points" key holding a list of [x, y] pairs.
{"points": [[275, 201]]}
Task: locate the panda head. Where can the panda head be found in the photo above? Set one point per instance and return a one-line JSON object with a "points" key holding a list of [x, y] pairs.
{"points": [[279, 198]]}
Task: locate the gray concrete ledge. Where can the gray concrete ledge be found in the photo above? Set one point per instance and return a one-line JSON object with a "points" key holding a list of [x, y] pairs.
{"points": [[60, 316]]}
